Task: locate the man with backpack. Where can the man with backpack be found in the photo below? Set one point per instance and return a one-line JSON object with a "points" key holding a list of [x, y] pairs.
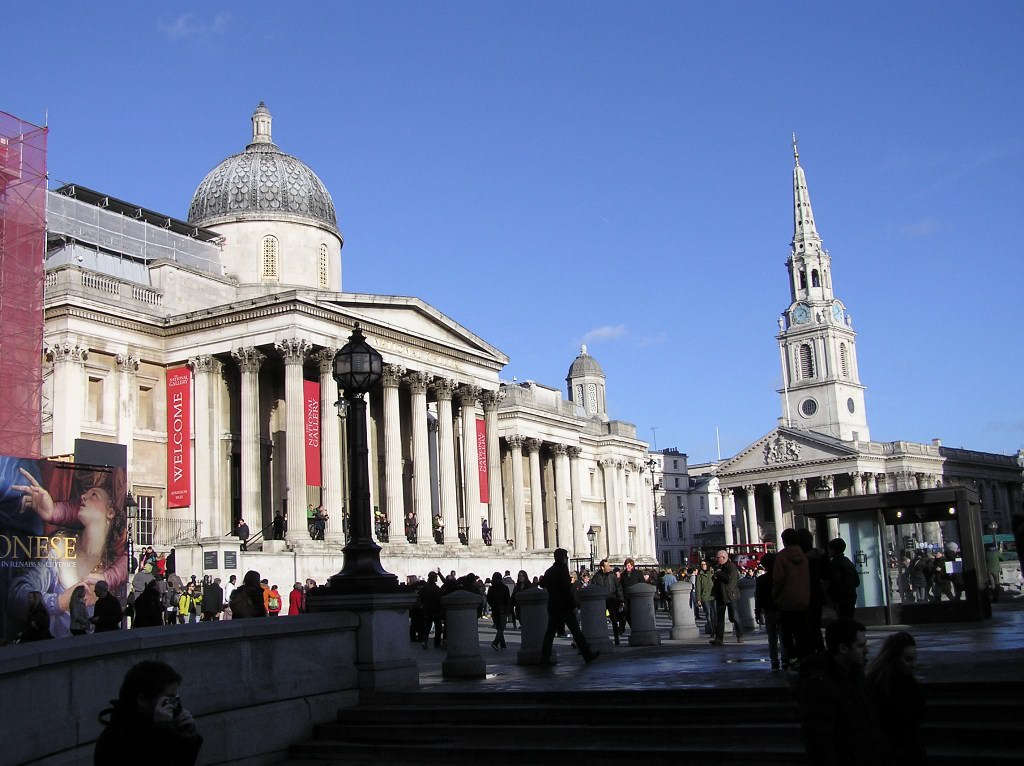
{"points": [[272, 600], [843, 579]]}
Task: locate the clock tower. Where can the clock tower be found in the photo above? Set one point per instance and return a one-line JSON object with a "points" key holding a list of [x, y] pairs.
{"points": [[821, 390]]}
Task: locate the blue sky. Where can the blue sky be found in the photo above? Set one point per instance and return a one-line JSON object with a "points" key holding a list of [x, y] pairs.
{"points": [[616, 174]]}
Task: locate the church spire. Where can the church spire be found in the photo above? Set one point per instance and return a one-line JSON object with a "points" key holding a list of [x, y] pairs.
{"points": [[804, 231]]}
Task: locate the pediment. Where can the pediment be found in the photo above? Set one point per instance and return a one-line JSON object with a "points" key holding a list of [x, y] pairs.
{"points": [[786, 448], [415, 319]]}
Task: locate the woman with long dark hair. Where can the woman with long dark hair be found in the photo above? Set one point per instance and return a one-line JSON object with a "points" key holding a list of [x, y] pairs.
{"points": [[899, 700]]}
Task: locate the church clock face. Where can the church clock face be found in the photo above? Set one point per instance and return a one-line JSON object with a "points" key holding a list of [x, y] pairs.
{"points": [[801, 314], [837, 313]]}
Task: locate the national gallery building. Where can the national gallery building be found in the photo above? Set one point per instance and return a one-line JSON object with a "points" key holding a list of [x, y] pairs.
{"points": [[206, 345]]}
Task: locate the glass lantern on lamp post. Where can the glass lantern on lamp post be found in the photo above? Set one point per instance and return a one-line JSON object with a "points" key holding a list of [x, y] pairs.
{"points": [[357, 367], [591, 538]]}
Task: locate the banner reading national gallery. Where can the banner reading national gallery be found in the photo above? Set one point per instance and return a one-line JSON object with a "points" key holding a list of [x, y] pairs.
{"points": [[62, 527]]}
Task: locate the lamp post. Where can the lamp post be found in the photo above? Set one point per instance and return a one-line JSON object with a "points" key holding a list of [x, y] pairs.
{"points": [[591, 538], [357, 368], [131, 506], [651, 465]]}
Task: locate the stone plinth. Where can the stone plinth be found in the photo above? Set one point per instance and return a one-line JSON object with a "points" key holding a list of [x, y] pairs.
{"points": [[643, 631], [593, 622], [533, 621], [462, 636], [684, 624], [745, 606]]}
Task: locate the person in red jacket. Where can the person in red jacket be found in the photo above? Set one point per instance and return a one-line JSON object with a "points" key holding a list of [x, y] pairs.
{"points": [[296, 600]]}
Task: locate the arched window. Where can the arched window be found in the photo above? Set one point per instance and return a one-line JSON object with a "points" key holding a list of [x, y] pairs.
{"points": [[803, 279], [325, 271], [270, 256], [815, 280], [844, 363], [806, 361]]}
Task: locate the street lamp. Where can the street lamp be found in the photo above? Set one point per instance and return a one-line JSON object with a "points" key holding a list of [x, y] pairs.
{"points": [[591, 538], [131, 506], [357, 367]]}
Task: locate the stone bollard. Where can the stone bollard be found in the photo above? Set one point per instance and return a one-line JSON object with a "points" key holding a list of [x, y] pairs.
{"points": [[642, 628], [462, 636], [745, 606], [684, 625], [593, 621], [533, 621]]}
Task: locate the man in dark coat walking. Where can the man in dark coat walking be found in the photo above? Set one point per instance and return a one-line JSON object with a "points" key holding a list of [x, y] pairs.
{"points": [[726, 589], [561, 608]]}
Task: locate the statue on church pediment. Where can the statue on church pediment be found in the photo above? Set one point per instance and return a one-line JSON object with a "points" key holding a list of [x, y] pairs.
{"points": [[781, 450]]}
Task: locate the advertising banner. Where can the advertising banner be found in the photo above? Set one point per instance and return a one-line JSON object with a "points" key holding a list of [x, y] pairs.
{"points": [[481, 459], [62, 525], [179, 437], [311, 417]]}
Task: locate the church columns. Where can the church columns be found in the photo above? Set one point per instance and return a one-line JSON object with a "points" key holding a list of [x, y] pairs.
{"points": [[777, 512], [828, 482], [69, 393], [858, 483], [293, 351], [579, 534], [490, 400], [752, 532], [206, 371], [394, 505], [515, 449], [418, 382], [614, 536], [249, 362], [443, 389], [332, 495], [127, 394], [801, 489], [563, 494], [728, 511], [536, 496], [470, 467], [872, 482]]}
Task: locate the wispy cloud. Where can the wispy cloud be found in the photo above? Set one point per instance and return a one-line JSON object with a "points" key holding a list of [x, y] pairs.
{"points": [[191, 26], [605, 332], [923, 228], [652, 340]]}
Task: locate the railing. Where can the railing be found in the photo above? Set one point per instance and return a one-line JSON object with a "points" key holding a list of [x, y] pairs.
{"points": [[169, 532], [97, 282]]}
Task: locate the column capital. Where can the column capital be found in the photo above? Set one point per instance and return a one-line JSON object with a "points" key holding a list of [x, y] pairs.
{"points": [[802, 483], [443, 388], [325, 359], [249, 358], [726, 492], [750, 488], [127, 362], [468, 395], [418, 381], [532, 445], [774, 486], [828, 482], [391, 375], [491, 399], [514, 441], [293, 350], [607, 462], [854, 475], [206, 363], [573, 452], [557, 448], [66, 352]]}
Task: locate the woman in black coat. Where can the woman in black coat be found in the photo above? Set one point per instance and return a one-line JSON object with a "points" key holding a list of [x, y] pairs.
{"points": [[500, 602], [898, 698]]}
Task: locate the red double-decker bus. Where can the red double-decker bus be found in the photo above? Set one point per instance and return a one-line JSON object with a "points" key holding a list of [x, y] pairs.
{"points": [[745, 556]]}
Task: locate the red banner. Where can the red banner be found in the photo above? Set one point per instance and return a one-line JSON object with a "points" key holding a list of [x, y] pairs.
{"points": [[481, 459], [179, 436], [311, 417]]}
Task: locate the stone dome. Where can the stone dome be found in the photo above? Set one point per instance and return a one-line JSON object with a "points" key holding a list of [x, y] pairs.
{"points": [[584, 365], [262, 183]]}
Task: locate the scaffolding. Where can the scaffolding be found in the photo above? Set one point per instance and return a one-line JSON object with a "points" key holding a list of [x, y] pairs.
{"points": [[22, 249]]}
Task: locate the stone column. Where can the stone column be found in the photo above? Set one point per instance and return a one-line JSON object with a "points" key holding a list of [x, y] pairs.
{"points": [[418, 382], [490, 401], [127, 394], [249, 361], [858, 483], [206, 371], [613, 534], [832, 525], [69, 393], [801, 489], [579, 533], [331, 490], [621, 511], [394, 505], [872, 484], [752, 531], [470, 468], [777, 512], [293, 351], [536, 496], [728, 512], [515, 453], [563, 512], [443, 388]]}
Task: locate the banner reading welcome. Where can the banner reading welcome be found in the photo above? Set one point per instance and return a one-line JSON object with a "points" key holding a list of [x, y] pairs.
{"points": [[179, 436]]}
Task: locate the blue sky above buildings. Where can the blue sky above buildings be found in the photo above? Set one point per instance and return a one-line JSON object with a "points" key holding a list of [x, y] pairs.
{"points": [[615, 174]]}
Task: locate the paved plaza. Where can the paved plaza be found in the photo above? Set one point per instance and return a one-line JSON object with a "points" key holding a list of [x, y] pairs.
{"points": [[964, 651]]}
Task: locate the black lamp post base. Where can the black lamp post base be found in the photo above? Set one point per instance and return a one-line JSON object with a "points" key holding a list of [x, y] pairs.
{"points": [[362, 571]]}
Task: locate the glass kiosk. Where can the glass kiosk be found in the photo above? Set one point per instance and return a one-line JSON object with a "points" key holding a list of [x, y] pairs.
{"points": [[919, 552]]}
